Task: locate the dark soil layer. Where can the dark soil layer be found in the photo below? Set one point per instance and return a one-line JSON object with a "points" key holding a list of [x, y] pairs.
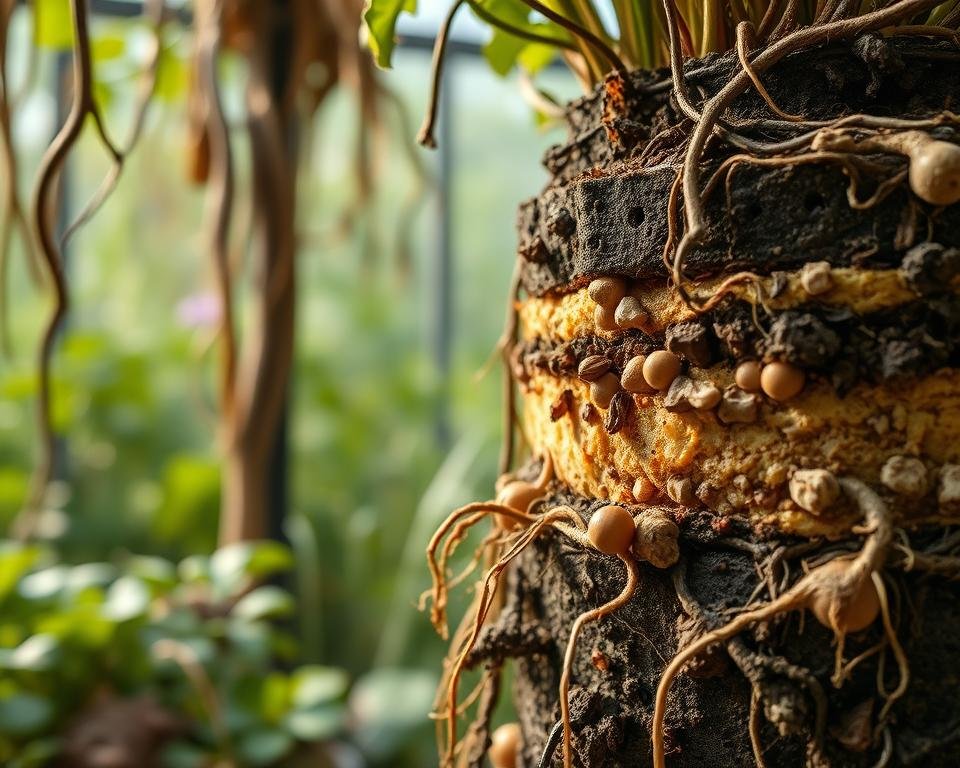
{"points": [[604, 211], [911, 340], [620, 660]]}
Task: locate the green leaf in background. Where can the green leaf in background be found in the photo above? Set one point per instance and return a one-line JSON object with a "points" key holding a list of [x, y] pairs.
{"points": [[45, 584], [53, 26], [264, 747], [23, 714], [388, 705], [267, 602], [316, 724], [381, 20], [128, 598], [38, 753], [173, 76], [315, 685], [234, 566], [35, 654], [182, 754], [15, 560], [107, 47]]}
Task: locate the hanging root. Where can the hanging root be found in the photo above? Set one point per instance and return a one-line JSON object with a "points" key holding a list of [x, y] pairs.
{"points": [[458, 524], [556, 518], [629, 589], [842, 594]]}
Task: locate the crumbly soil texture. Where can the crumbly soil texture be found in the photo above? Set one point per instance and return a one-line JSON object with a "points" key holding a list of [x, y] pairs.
{"points": [[788, 661], [605, 213]]}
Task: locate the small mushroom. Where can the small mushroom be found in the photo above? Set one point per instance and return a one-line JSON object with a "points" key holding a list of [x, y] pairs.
{"points": [[632, 378], [814, 490], [906, 475], [738, 407], [630, 313], [607, 291], [656, 539], [661, 368], [603, 389], [505, 743], [948, 494], [816, 277]]}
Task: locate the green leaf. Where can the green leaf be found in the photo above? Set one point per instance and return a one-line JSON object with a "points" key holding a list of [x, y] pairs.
{"points": [[53, 27], [35, 654], [182, 754], [128, 598], [536, 56], [45, 584], [316, 724], [107, 47], [380, 725], [173, 76], [264, 747], [267, 602], [155, 571], [234, 566], [314, 685], [502, 51], [15, 561], [381, 20], [24, 714]]}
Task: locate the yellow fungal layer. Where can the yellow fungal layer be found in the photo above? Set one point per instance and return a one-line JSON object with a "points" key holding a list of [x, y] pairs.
{"points": [[565, 317], [853, 435]]}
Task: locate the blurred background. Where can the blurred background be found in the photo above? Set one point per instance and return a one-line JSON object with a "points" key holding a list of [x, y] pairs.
{"points": [[121, 609]]}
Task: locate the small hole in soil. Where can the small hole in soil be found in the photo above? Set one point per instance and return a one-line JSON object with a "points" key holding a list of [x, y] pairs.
{"points": [[813, 201], [754, 210], [593, 242], [635, 216]]}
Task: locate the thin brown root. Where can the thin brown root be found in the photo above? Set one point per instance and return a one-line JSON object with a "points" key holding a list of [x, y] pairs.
{"points": [[484, 602], [745, 34], [633, 578], [473, 514], [902, 663], [754, 727]]}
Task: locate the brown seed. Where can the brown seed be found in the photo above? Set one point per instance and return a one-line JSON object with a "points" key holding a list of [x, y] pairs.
{"points": [[747, 376], [632, 379], [611, 530], [604, 318], [814, 490], [603, 390], [620, 407], [661, 368], [505, 746], [593, 367], [816, 277], [607, 291], [643, 489], [562, 405], [781, 381], [630, 313]]}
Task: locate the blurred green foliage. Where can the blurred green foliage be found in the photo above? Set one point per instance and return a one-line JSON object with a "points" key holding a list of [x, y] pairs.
{"points": [[135, 407]]}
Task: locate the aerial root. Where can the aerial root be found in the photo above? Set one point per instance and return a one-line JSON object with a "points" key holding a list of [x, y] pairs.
{"points": [[629, 589], [562, 518], [457, 524], [834, 592]]}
